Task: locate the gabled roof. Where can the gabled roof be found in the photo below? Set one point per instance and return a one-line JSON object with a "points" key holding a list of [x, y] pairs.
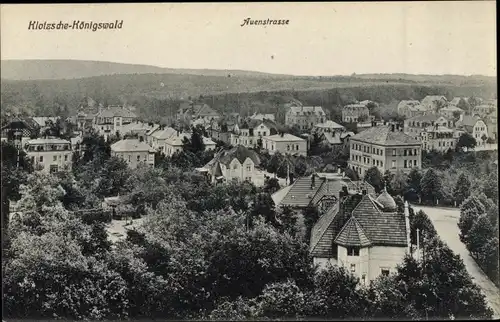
{"points": [[116, 111], [408, 103], [153, 129], [330, 125], [332, 138], [301, 193], [383, 135], [429, 99], [352, 234], [468, 120], [130, 145], [164, 134], [241, 153], [304, 110], [204, 110], [452, 108], [286, 138]]}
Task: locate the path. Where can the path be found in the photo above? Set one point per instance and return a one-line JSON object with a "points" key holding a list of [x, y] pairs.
{"points": [[445, 221]]}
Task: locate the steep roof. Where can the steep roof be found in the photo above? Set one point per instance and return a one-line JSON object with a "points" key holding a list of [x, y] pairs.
{"points": [[429, 99], [381, 228], [469, 120], [286, 137], [330, 125], [241, 153], [331, 138], [204, 110], [301, 192], [383, 135], [164, 134], [130, 145], [352, 234]]}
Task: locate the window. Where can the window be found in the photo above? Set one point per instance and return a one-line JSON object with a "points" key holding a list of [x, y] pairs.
{"points": [[405, 152], [66, 158], [54, 158], [41, 158], [415, 162], [353, 268], [138, 158], [297, 147], [235, 166], [129, 158], [288, 147], [53, 168], [352, 251], [393, 152], [385, 271], [393, 163], [249, 167], [406, 164]]}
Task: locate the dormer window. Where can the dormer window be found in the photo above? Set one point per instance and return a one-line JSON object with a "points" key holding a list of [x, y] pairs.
{"points": [[353, 251]]}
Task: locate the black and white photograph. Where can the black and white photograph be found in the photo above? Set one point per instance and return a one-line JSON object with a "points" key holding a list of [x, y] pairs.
{"points": [[249, 161]]}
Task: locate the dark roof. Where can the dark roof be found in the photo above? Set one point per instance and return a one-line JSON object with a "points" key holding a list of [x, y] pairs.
{"points": [[383, 135], [381, 228], [301, 193], [241, 153], [352, 234]]}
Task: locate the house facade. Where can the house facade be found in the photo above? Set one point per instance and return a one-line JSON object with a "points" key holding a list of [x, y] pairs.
{"points": [[261, 117], [190, 111], [133, 152], [237, 164], [175, 143], [434, 102], [411, 108], [328, 127], [475, 126], [251, 131], [158, 137], [50, 155], [384, 147], [363, 233], [450, 112], [284, 143], [304, 116], [110, 120], [438, 138], [416, 125], [355, 113]]}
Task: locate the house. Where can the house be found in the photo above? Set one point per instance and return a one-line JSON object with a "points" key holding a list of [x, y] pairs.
{"points": [[190, 111], [110, 120], [459, 102], [158, 137], [415, 125], [483, 110], [284, 143], [44, 122], [363, 233], [328, 126], [148, 136], [475, 126], [251, 131], [439, 138], [315, 190], [175, 143], [434, 102], [354, 113], [451, 112], [49, 154], [261, 117], [137, 128], [384, 147], [411, 108], [304, 116], [19, 130], [134, 152], [368, 102], [336, 138], [237, 164], [491, 122]]}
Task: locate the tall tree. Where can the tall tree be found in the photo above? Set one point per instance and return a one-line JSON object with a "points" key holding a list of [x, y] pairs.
{"points": [[431, 186], [466, 141], [375, 178], [462, 189]]}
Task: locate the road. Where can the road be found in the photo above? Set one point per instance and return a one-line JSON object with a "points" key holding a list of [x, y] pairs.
{"points": [[445, 221]]}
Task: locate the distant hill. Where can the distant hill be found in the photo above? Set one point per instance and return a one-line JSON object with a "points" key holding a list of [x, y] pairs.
{"points": [[73, 69]]}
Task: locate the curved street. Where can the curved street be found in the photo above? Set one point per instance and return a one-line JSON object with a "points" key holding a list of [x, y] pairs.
{"points": [[445, 221]]}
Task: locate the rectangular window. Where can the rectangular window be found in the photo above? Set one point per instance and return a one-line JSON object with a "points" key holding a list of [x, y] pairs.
{"points": [[249, 167], [393, 152], [352, 251], [406, 163], [393, 163], [415, 162], [353, 268], [41, 158], [385, 271], [65, 158], [53, 168], [54, 158], [405, 152], [138, 158]]}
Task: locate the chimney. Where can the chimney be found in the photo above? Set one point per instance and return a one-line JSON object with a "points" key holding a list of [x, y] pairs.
{"points": [[407, 224], [313, 181]]}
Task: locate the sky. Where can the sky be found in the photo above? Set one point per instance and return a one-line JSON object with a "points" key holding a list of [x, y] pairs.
{"points": [[321, 38]]}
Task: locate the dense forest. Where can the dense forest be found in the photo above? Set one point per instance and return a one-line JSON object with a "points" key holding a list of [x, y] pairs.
{"points": [[158, 95]]}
